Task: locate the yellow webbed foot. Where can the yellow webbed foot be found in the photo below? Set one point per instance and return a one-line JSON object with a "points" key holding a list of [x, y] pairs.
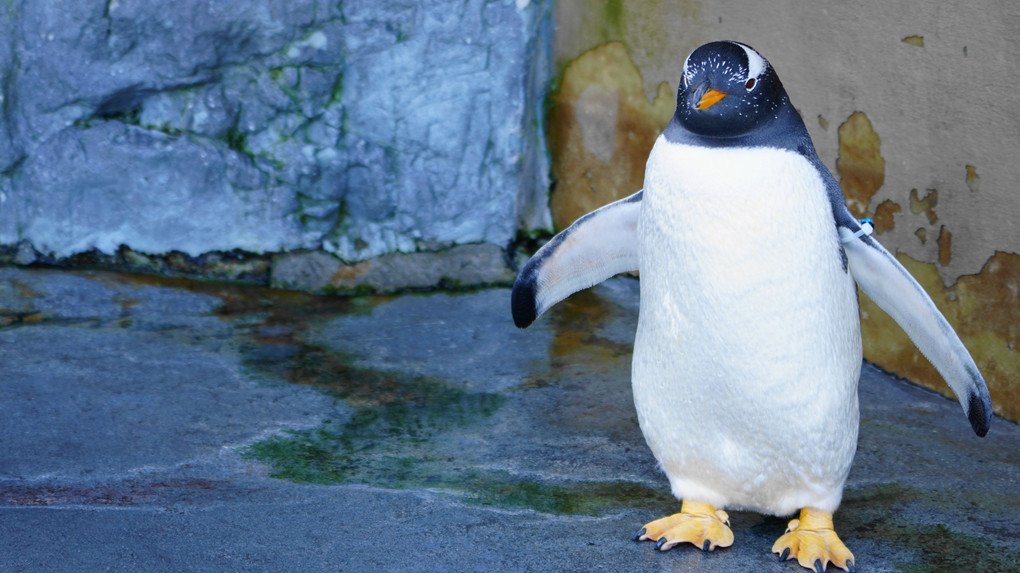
{"points": [[814, 543], [697, 523]]}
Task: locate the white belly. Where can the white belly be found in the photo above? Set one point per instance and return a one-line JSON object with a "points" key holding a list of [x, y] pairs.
{"points": [[748, 348]]}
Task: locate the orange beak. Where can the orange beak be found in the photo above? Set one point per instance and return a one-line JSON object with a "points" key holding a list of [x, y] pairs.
{"points": [[710, 98]]}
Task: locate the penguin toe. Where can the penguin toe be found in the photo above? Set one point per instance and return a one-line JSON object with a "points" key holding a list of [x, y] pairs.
{"points": [[813, 542], [697, 524]]}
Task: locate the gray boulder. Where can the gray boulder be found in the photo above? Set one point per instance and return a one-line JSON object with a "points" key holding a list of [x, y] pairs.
{"points": [[357, 128]]}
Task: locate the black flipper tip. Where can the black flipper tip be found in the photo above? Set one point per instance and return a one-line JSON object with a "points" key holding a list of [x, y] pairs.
{"points": [[706, 545], [818, 566], [784, 555], [979, 414], [850, 566], [660, 543], [637, 537], [522, 300]]}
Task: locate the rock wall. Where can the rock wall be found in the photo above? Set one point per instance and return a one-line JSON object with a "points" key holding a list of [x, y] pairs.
{"points": [[912, 108], [357, 128]]}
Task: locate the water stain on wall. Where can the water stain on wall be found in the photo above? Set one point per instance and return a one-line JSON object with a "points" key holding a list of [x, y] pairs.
{"points": [[973, 181], [945, 241], [601, 130], [925, 204], [860, 164], [883, 216]]}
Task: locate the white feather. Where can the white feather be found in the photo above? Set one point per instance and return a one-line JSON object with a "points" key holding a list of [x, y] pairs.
{"points": [[756, 64]]}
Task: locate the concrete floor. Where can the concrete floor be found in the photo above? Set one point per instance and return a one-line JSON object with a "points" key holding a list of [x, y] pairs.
{"points": [[162, 425]]}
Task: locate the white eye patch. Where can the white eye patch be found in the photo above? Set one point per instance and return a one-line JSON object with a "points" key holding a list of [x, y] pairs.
{"points": [[755, 63]]}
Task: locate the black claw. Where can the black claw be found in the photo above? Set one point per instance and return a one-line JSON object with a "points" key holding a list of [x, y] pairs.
{"points": [[786, 553], [706, 545], [660, 543], [643, 531], [850, 565], [818, 566]]}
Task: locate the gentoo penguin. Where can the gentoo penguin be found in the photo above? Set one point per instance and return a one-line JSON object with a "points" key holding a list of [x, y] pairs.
{"points": [[748, 346]]}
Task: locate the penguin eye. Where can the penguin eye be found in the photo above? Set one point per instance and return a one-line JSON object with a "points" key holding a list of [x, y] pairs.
{"points": [[750, 84]]}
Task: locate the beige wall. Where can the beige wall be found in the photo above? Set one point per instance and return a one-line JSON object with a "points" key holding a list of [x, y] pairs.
{"points": [[933, 154]]}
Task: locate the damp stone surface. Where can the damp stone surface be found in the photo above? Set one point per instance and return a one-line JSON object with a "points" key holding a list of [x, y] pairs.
{"points": [[171, 424]]}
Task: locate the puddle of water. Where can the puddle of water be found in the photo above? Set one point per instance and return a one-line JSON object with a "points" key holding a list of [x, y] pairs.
{"points": [[386, 435], [576, 322], [240, 300], [388, 438]]}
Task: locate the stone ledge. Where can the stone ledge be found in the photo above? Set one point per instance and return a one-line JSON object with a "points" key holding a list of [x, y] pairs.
{"points": [[458, 267], [314, 271]]}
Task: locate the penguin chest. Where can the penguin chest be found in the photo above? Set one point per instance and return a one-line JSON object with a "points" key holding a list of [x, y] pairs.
{"points": [[748, 337]]}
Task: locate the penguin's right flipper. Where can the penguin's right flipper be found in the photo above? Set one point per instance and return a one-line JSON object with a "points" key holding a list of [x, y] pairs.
{"points": [[597, 246], [886, 282]]}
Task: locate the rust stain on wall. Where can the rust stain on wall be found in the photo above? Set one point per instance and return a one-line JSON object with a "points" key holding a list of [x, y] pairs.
{"points": [[945, 242], [925, 204], [860, 164], [883, 216], [984, 308], [922, 233], [973, 181], [601, 130], [914, 41]]}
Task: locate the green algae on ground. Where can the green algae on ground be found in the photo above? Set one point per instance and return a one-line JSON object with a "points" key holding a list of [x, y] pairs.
{"points": [[304, 461], [329, 455], [392, 412], [501, 489], [939, 549], [883, 512]]}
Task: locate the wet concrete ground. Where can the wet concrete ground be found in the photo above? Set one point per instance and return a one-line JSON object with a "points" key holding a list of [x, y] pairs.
{"points": [[178, 426]]}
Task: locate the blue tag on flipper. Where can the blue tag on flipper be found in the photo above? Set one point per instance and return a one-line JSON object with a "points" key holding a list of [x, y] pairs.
{"points": [[867, 226]]}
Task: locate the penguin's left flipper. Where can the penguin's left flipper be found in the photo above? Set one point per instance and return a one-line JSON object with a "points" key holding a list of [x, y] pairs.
{"points": [[886, 282], [597, 246]]}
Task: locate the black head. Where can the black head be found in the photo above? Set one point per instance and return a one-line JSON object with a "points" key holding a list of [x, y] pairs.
{"points": [[727, 90]]}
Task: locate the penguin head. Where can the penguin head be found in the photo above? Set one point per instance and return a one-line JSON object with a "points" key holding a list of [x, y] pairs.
{"points": [[727, 90]]}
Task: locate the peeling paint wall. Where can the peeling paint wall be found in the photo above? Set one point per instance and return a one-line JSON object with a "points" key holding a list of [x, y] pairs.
{"points": [[911, 105]]}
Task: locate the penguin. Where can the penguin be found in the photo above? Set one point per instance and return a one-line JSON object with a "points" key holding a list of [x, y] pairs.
{"points": [[748, 349]]}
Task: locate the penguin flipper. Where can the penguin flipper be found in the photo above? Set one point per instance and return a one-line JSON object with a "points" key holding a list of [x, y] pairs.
{"points": [[597, 246], [886, 282]]}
